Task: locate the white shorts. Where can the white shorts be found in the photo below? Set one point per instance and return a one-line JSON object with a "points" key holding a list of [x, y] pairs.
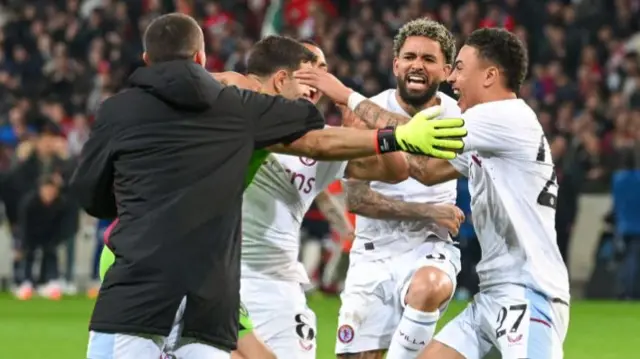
{"points": [[173, 346], [123, 346], [281, 317], [373, 297], [516, 321]]}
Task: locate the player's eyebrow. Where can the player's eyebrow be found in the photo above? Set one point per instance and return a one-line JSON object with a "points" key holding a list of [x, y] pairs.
{"points": [[458, 62]]}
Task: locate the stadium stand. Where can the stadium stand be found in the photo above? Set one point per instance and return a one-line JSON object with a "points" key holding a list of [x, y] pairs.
{"points": [[60, 59]]}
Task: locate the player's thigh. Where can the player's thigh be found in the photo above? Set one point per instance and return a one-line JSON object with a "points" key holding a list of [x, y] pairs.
{"points": [[441, 256], [369, 311], [122, 346], [524, 324], [252, 347], [460, 338], [189, 348]]}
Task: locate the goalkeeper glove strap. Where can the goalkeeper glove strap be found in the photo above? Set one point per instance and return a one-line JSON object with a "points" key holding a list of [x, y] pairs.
{"points": [[386, 140]]}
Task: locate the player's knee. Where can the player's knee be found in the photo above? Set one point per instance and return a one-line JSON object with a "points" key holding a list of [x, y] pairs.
{"points": [[429, 289]]}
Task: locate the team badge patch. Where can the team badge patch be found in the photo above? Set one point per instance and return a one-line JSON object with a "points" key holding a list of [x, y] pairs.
{"points": [[345, 333]]}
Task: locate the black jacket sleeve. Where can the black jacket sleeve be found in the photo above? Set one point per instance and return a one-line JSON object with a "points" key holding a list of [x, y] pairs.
{"points": [[278, 120], [92, 182]]}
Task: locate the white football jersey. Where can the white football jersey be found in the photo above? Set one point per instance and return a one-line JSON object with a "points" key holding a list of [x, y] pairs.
{"points": [[376, 238], [274, 205], [513, 197]]}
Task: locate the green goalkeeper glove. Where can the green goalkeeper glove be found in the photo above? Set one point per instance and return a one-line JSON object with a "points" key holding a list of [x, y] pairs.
{"points": [[425, 134]]}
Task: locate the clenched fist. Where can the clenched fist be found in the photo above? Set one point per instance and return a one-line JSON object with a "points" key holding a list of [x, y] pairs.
{"points": [[449, 217]]}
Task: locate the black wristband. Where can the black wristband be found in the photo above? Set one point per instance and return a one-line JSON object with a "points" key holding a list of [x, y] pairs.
{"points": [[386, 140]]}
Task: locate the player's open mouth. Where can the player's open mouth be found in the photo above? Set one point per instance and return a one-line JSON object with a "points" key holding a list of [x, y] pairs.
{"points": [[416, 82], [313, 95], [458, 95]]}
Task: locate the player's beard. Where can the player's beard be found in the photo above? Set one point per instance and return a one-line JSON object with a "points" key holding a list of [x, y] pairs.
{"points": [[416, 99]]}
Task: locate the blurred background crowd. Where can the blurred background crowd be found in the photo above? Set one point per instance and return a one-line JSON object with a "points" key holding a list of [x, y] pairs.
{"points": [[60, 58]]}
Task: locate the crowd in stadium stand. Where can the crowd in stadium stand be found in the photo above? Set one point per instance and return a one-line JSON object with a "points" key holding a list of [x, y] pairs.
{"points": [[60, 59]]}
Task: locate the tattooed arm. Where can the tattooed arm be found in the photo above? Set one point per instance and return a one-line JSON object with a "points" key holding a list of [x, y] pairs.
{"points": [[364, 201], [390, 167], [431, 171], [375, 116], [334, 212]]}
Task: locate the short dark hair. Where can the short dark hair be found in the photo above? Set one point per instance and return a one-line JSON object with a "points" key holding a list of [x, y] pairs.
{"points": [[503, 49], [274, 53], [173, 36], [308, 42]]}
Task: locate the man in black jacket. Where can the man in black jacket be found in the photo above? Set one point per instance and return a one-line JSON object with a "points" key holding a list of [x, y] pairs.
{"points": [[168, 157], [43, 223]]}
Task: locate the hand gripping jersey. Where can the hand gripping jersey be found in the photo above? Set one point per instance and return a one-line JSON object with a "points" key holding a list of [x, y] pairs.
{"points": [[376, 238], [513, 190], [274, 205]]}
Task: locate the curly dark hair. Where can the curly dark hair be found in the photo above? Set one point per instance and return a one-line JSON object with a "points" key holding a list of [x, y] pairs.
{"points": [[430, 29], [505, 50]]}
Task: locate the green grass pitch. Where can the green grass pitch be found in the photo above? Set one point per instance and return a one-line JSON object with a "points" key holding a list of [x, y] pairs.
{"points": [[40, 329]]}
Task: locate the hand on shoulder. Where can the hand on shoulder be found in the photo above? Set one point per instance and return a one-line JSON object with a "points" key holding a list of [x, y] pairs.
{"points": [[231, 78]]}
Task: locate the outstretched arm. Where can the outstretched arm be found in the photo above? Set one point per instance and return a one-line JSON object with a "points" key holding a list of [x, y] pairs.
{"points": [[371, 114], [332, 144], [390, 168], [375, 116], [431, 171], [362, 200], [334, 212]]}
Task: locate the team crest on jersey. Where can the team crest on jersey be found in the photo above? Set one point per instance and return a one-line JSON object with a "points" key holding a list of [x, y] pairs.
{"points": [[308, 161], [345, 334]]}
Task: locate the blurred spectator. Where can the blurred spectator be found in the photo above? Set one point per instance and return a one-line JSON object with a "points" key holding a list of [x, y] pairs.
{"points": [[626, 207], [469, 245], [41, 220], [60, 59]]}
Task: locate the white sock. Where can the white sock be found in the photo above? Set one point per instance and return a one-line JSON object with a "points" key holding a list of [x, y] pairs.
{"points": [[415, 330]]}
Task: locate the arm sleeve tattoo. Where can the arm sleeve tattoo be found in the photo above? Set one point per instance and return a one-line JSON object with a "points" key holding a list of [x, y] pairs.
{"points": [[364, 201], [334, 212], [375, 116]]}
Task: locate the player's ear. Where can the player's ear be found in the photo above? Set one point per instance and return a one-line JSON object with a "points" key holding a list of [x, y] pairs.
{"points": [[395, 66], [200, 58], [491, 76], [279, 80], [447, 71]]}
